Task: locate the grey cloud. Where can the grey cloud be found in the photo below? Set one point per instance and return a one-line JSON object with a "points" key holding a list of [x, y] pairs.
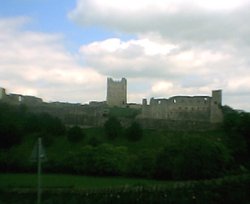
{"points": [[188, 24]]}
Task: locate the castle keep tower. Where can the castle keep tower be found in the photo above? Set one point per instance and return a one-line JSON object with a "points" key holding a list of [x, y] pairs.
{"points": [[116, 92]]}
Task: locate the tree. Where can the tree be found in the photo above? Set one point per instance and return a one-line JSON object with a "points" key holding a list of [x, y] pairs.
{"points": [[134, 132], [237, 127], [75, 134], [11, 131], [94, 141], [192, 157], [10, 135], [142, 164], [104, 160], [110, 160], [112, 128]]}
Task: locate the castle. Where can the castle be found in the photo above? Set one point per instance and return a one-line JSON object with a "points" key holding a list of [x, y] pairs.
{"points": [[185, 108], [176, 111], [176, 108]]}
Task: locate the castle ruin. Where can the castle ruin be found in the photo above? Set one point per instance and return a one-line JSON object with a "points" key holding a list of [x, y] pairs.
{"points": [[116, 92], [186, 112], [185, 108]]}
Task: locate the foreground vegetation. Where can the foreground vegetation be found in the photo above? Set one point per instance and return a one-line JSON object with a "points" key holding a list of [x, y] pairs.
{"points": [[21, 180], [190, 167], [230, 190], [117, 151]]}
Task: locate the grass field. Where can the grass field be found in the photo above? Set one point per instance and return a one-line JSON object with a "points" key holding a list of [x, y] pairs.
{"points": [[71, 181]]}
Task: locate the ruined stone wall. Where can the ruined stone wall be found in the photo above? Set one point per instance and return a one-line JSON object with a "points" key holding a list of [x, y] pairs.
{"points": [[179, 125], [185, 108], [70, 114], [175, 112], [116, 92], [216, 114], [73, 114], [2, 93], [16, 99]]}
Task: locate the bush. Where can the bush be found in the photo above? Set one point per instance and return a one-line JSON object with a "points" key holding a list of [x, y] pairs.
{"points": [[134, 132], [142, 164], [75, 134], [103, 160], [10, 135], [237, 127], [112, 128], [192, 157]]}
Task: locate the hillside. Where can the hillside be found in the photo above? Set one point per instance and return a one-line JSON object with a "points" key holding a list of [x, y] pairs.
{"points": [[116, 150]]}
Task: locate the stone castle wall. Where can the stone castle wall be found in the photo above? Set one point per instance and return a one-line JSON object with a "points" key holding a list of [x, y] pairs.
{"points": [[70, 114], [174, 112], [185, 108], [116, 92]]}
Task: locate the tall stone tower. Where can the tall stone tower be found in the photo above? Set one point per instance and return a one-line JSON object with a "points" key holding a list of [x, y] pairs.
{"points": [[216, 115], [116, 92]]}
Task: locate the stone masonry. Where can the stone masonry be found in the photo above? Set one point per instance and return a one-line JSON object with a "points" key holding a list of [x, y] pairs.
{"points": [[185, 108], [116, 92]]}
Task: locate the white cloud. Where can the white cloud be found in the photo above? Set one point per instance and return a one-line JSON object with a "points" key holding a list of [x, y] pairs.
{"points": [[168, 69], [179, 20], [181, 48], [162, 87], [35, 63], [221, 5], [192, 45]]}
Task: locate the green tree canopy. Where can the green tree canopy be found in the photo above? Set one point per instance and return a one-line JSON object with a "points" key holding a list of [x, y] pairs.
{"points": [[112, 128], [192, 157], [75, 134], [134, 132]]}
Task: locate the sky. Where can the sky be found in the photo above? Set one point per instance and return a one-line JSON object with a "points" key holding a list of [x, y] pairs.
{"points": [[61, 50]]}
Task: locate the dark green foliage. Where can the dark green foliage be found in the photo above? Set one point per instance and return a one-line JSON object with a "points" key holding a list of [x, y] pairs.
{"points": [[9, 135], [112, 128], [102, 160], [30, 122], [245, 126], [17, 122], [192, 158], [134, 132], [94, 141], [46, 126], [229, 190], [50, 124], [11, 131], [237, 127], [75, 134], [142, 164], [161, 154]]}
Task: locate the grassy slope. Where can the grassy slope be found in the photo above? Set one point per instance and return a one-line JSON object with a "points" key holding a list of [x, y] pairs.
{"points": [[152, 140], [69, 181]]}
